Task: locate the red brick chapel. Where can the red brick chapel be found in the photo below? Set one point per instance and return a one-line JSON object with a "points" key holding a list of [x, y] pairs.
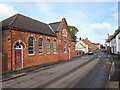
{"points": [[28, 42]]}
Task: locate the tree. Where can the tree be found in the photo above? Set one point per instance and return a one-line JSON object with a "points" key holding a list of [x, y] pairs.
{"points": [[73, 32]]}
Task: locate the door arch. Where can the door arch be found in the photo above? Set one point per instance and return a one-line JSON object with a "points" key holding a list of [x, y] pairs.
{"points": [[18, 55]]}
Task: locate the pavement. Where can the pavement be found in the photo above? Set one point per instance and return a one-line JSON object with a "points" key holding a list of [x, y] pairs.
{"points": [[114, 76]]}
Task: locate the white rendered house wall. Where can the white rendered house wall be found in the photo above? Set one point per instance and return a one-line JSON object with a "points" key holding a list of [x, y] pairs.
{"points": [[118, 43]]}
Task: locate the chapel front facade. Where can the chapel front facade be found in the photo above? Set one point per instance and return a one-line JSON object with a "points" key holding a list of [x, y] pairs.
{"points": [[27, 42]]}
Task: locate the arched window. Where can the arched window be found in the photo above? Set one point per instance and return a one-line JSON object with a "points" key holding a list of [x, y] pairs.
{"points": [[54, 46], [31, 45], [65, 46], [64, 32], [48, 46], [18, 46], [40, 45]]}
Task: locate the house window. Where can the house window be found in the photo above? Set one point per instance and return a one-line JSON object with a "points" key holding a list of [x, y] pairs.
{"points": [[54, 46], [18, 46], [40, 45], [48, 46], [65, 47], [31, 45]]}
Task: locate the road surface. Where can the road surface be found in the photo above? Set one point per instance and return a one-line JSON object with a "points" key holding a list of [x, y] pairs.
{"points": [[89, 71]]}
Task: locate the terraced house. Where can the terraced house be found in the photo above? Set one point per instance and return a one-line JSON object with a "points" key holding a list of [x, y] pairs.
{"points": [[28, 42], [113, 42]]}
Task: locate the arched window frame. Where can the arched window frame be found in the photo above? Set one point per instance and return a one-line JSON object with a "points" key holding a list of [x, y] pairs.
{"points": [[18, 46], [54, 47], [64, 33], [31, 46], [48, 46], [65, 47], [40, 45]]}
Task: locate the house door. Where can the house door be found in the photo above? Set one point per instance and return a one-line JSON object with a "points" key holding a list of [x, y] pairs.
{"points": [[18, 56], [69, 52]]}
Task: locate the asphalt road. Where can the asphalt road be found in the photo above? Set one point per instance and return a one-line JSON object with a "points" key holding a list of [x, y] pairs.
{"points": [[89, 71]]}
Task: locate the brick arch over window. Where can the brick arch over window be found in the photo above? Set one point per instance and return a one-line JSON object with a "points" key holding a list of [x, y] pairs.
{"points": [[31, 36], [21, 42]]}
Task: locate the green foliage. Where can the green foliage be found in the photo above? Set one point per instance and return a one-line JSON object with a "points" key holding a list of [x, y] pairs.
{"points": [[73, 31]]}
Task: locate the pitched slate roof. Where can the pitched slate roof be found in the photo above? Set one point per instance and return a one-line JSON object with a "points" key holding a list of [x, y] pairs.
{"points": [[25, 23], [114, 35], [55, 26]]}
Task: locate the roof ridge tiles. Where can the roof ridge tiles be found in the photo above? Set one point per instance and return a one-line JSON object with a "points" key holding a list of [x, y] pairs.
{"points": [[33, 19], [55, 22], [13, 19]]}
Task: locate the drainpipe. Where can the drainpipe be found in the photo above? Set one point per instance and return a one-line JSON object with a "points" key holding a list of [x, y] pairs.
{"points": [[11, 45]]}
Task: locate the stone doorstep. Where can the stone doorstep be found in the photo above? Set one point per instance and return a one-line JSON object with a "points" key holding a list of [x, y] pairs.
{"points": [[20, 74]]}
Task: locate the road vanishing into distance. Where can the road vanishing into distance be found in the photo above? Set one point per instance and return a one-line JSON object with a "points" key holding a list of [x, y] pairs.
{"points": [[88, 71]]}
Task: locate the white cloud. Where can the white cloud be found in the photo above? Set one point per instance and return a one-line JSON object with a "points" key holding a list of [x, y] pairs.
{"points": [[102, 28], [80, 14], [6, 11]]}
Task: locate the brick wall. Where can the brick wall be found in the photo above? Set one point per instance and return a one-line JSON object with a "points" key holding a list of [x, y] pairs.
{"points": [[22, 37]]}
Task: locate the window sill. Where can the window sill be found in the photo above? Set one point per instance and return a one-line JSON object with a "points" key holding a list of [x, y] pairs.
{"points": [[65, 52], [48, 53], [41, 54], [31, 54], [55, 53]]}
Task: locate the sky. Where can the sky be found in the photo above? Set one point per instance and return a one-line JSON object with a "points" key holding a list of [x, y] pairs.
{"points": [[94, 20]]}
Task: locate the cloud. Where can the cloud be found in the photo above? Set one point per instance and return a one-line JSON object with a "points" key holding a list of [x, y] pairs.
{"points": [[6, 11], [102, 28], [81, 14]]}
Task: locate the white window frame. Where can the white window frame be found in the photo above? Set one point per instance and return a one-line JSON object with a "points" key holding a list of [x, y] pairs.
{"points": [[64, 33], [48, 47], [65, 47], [54, 47], [31, 46], [40, 46]]}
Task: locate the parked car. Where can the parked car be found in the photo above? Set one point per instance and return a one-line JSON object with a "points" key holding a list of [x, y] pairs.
{"points": [[90, 53]]}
